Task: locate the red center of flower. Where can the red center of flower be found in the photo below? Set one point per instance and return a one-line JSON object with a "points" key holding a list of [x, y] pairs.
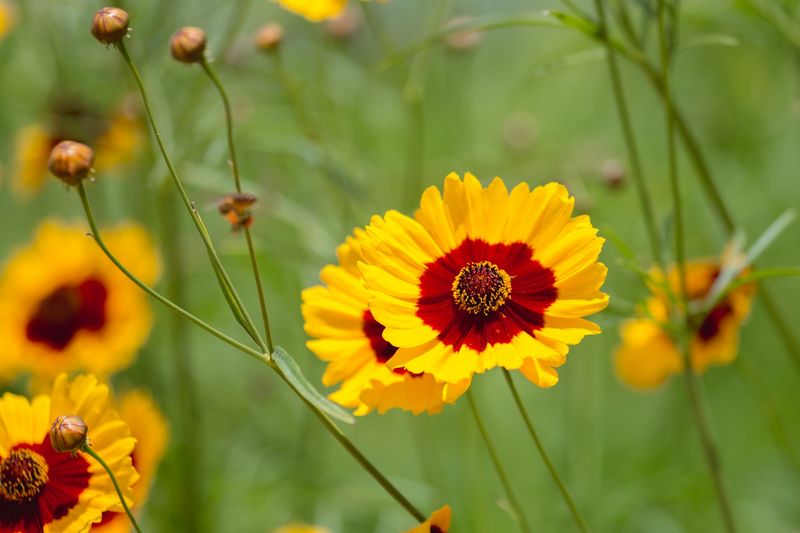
{"points": [[22, 475], [382, 348], [713, 322], [466, 295], [39, 486], [66, 311]]}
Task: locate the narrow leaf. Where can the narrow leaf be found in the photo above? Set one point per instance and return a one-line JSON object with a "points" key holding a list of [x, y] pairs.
{"points": [[291, 371]]}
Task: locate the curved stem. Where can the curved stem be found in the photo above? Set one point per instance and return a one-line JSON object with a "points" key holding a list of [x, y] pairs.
{"points": [[86, 449], [262, 302], [630, 141], [237, 306], [579, 521], [498, 466], [95, 234]]}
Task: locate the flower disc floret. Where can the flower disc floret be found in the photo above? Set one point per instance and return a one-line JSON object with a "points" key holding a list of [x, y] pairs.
{"points": [[22, 475], [481, 288]]}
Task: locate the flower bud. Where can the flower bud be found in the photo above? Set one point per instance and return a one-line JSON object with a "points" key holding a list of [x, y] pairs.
{"points": [[461, 41], [344, 26], [236, 209], [269, 37], [110, 25], [71, 161], [188, 44], [613, 173], [68, 433]]}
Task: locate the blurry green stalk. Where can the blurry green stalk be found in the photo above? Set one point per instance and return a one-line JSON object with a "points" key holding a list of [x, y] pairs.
{"points": [[88, 450], [233, 299], [498, 466]]}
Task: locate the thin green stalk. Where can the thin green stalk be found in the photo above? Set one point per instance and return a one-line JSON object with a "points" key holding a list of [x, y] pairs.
{"points": [[498, 466], [236, 304], [190, 417], [262, 302], [579, 521], [95, 234], [709, 446], [630, 141], [86, 449]]}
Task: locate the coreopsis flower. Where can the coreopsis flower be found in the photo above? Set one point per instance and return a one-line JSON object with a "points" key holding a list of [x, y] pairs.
{"points": [[648, 355], [64, 306], [299, 527], [482, 278], [347, 335], [439, 522], [149, 427], [115, 138], [315, 10], [43, 490]]}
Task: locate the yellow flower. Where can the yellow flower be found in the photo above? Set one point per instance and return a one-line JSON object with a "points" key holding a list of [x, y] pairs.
{"points": [[44, 490], [8, 17], [315, 10], [349, 338], [297, 527], [439, 522], [483, 278], [64, 306], [115, 140], [648, 355], [149, 427]]}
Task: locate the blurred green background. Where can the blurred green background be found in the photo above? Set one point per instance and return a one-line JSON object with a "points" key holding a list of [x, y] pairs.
{"points": [[521, 105]]}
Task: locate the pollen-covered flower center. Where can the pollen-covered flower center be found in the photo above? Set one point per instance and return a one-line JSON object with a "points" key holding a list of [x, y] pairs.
{"points": [[481, 288], [23, 474]]}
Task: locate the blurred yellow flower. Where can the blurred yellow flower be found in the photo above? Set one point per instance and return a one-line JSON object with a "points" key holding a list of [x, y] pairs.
{"points": [[115, 140], [439, 522], [315, 10], [648, 355], [149, 427], [44, 490], [8, 17], [483, 278], [64, 306], [349, 338], [297, 527]]}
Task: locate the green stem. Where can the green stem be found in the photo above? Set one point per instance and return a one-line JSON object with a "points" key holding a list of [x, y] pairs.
{"points": [[579, 521], [262, 302], [630, 141], [498, 466], [707, 439], [86, 449], [95, 234], [237, 306]]}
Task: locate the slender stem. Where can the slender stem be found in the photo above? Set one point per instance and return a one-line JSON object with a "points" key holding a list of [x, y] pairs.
{"points": [[236, 303], [707, 439], [204, 325], [498, 466], [262, 302], [627, 129], [579, 521], [86, 449]]}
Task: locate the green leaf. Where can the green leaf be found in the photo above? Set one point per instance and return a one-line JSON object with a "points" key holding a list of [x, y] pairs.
{"points": [[294, 376]]}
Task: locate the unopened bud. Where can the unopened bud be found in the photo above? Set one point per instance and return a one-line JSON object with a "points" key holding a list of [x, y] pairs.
{"points": [[463, 40], [188, 44], [269, 37], [68, 433], [345, 25], [613, 173], [110, 25], [71, 161]]}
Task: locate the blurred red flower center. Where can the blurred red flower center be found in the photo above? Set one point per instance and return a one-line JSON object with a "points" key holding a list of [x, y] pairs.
{"points": [[481, 288], [66, 311], [22, 475]]}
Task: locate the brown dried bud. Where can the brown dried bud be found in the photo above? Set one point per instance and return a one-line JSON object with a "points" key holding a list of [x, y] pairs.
{"points": [[236, 209], [68, 433], [269, 37], [71, 161], [188, 44], [110, 25]]}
